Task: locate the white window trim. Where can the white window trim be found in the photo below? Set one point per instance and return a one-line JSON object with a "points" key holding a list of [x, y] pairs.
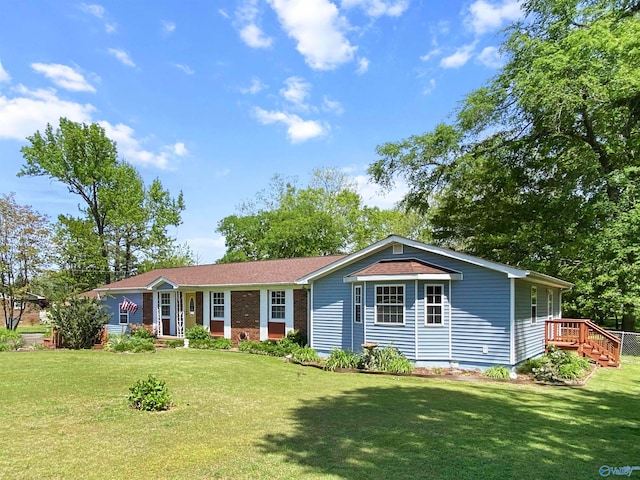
{"points": [[404, 306], [213, 305], [271, 304], [442, 305], [534, 303], [354, 304], [550, 314], [123, 313]]}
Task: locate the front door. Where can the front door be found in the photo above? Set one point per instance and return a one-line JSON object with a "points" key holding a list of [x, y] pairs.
{"points": [[189, 310]]}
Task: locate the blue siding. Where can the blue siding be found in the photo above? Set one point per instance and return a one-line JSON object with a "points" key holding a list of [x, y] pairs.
{"points": [[112, 301], [480, 311], [529, 338]]}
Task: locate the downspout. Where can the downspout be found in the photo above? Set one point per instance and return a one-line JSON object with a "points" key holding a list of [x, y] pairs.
{"points": [[364, 313], [450, 325], [415, 322], [512, 321], [310, 316]]}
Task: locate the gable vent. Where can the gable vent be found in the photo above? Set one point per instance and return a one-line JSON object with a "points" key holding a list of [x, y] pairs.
{"points": [[398, 248]]}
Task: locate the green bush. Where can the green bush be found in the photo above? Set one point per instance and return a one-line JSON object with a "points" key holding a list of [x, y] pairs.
{"points": [[10, 340], [526, 367], [79, 321], [559, 365], [341, 359], [385, 359], [197, 333], [150, 395], [174, 343], [126, 343], [399, 365], [305, 355], [498, 372], [296, 337], [222, 343], [275, 348], [138, 331]]}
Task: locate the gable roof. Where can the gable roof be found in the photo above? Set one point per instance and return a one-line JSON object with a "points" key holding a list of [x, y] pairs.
{"points": [[266, 272], [511, 272], [403, 269]]}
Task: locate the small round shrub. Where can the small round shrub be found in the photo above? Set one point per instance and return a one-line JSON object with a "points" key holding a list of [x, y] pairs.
{"points": [[297, 337], [139, 331], [526, 367], [197, 332], [150, 395], [341, 359], [305, 355], [498, 372], [10, 340]]}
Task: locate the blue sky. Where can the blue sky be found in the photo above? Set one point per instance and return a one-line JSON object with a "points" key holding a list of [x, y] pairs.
{"points": [[215, 97]]}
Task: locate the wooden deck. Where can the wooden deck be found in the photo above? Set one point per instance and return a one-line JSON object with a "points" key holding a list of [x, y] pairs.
{"points": [[584, 337]]}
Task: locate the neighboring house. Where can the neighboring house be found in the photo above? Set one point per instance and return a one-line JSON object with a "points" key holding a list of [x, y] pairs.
{"points": [[438, 306], [34, 307]]}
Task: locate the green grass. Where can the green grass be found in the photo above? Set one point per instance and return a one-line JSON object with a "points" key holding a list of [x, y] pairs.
{"points": [[33, 329], [239, 416]]}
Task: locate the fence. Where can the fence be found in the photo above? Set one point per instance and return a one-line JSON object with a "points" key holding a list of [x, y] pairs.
{"points": [[629, 342]]}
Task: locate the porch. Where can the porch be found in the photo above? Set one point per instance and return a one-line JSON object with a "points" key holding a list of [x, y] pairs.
{"points": [[585, 338]]}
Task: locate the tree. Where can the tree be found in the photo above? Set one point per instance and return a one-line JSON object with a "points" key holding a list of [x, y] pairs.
{"points": [[123, 221], [535, 169], [327, 217], [24, 237]]}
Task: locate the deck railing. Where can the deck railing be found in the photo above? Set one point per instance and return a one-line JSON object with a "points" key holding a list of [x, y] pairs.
{"points": [[583, 332]]}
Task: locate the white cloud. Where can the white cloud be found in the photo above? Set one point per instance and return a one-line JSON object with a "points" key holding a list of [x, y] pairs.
{"points": [[110, 27], [223, 13], [296, 92], [180, 149], [363, 66], [332, 106], [133, 152], [430, 87], [491, 57], [256, 87], [168, 27], [247, 16], [4, 75], [254, 37], [298, 130], [185, 68], [31, 110], [122, 56], [374, 196], [93, 9], [459, 58], [484, 16], [318, 29], [63, 76], [378, 8], [426, 57], [207, 249]]}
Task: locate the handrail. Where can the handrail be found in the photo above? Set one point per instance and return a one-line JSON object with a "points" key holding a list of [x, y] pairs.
{"points": [[581, 331]]}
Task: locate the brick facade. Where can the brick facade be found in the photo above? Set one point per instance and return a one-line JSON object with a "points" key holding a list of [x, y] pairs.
{"points": [[300, 311], [245, 315]]}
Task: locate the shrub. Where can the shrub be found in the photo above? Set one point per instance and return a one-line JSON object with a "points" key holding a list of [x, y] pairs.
{"points": [[296, 337], [139, 331], [174, 343], [79, 321], [10, 340], [248, 346], [559, 365], [341, 359], [196, 333], [276, 348], [526, 367], [498, 372], [305, 355], [150, 395], [126, 343], [222, 343], [385, 359]]}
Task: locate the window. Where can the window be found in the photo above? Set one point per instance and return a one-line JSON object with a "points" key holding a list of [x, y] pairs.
{"points": [[124, 317], [534, 305], [357, 304], [434, 304], [549, 304], [17, 304], [217, 302], [165, 304], [390, 304], [277, 305], [192, 306]]}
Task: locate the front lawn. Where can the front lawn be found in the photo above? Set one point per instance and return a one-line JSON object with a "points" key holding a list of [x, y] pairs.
{"points": [[238, 416]]}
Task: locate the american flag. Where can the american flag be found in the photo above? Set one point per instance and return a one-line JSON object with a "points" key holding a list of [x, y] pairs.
{"points": [[128, 305]]}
